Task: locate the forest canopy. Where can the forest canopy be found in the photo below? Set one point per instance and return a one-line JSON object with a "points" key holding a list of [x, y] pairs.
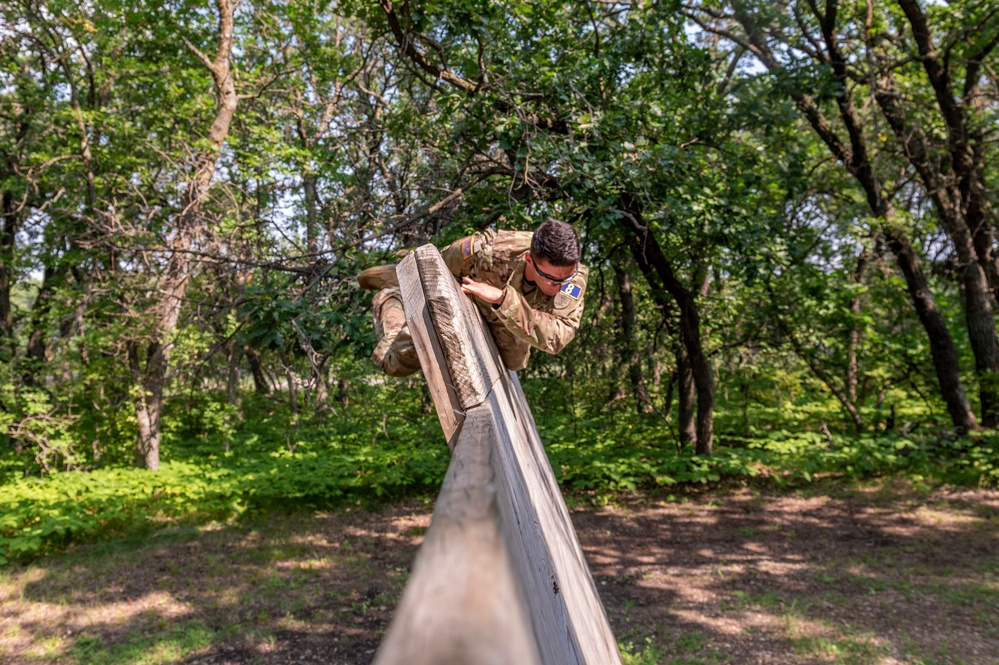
{"points": [[788, 211]]}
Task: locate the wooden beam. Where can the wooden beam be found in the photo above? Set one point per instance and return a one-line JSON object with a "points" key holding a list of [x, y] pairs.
{"points": [[435, 369], [462, 603], [501, 557]]}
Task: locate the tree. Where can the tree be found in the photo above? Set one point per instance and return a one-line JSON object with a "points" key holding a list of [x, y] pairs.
{"points": [[570, 126], [190, 226], [825, 58]]}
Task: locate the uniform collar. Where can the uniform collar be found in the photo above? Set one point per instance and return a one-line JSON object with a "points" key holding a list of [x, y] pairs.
{"points": [[517, 278]]}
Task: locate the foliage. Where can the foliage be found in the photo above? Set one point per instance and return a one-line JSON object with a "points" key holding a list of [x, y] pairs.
{"points": [[601, 460], [264, 465], [650, 655], [389, 449], [345, 148]]}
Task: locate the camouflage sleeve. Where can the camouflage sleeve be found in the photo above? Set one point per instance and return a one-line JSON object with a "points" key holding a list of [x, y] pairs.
{"points": [[466, 257], [549, 332]]}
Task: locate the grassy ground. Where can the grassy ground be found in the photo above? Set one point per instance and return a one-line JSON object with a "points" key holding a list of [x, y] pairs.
{"points": [[883, 572]]}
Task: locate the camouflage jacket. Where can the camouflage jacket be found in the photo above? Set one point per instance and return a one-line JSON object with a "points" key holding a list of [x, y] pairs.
{"points": [[527, 317]]}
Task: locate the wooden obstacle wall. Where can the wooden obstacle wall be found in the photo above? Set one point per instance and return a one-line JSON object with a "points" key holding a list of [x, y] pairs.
{"points": [[501, 577]]}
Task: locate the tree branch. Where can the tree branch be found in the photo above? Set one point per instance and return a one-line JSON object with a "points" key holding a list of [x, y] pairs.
{"points": [[205, 60], [407, 46], [961, 155]]}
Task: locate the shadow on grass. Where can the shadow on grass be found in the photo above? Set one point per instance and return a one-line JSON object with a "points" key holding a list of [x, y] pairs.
{"points": [[856, 578], [292, 587], [835, 576]]}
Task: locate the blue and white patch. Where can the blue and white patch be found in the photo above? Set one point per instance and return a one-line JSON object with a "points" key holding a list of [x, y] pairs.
{"points": [[571, 290]]}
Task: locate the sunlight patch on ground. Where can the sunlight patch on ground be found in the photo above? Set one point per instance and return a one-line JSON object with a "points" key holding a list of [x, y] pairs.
{"points": [[835, 643], [950, 520], [45, 630]]}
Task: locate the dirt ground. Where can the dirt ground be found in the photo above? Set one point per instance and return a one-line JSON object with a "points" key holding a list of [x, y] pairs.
{"points": [[882, 574]]}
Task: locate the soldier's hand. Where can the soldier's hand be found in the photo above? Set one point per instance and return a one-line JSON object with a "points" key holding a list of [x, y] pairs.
{"points": [[485, 292]]}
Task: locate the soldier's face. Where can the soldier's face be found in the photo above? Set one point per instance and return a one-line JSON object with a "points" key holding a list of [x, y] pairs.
{"points": [[549, 278]]}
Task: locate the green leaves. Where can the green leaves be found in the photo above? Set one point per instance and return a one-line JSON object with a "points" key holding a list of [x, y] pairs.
{"points": [[324, 471], [601, 461]]}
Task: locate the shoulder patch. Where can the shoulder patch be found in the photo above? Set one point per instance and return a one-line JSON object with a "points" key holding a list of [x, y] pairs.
{"points": [[467, 248], [571, 290]]}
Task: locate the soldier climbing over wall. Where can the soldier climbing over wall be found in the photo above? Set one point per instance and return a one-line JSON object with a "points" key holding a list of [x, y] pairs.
{"points": [[528, 286]]}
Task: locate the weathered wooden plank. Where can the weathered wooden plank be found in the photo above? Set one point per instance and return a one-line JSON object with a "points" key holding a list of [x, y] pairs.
{"points": [[526, 531], [428, 349], [462, 604], [567, 614], [440, 290]]}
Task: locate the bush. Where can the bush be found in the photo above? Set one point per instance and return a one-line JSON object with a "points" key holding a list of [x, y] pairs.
{"points": [[389, 447]]}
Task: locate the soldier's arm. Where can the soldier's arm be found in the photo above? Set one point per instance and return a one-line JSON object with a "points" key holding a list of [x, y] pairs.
{"points": [[548, 332], [461, 255]]}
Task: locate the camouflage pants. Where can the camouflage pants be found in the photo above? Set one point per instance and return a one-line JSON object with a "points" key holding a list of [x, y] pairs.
{"points": [[514, 352], [395, 352]]}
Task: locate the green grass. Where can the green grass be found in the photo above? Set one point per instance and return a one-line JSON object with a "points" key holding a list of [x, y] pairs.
{"points": [[280, 581], [647, 655], [681, 648], [841, 650], [169, 646], [391, 447]]}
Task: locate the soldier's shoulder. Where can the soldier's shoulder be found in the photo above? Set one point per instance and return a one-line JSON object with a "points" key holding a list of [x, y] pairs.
{"points": [[469, 246], [570, 296], [511, 243]]}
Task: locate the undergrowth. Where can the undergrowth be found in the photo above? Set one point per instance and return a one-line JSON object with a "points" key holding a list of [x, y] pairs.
{"points": [[272, 461], [631, 458]]}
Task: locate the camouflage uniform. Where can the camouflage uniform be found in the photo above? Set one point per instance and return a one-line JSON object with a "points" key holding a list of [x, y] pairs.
{"points": [[395, 352], [526, 318]]}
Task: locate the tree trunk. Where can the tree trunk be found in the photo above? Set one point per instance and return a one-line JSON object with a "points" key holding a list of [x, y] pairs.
{"points": [[746, 387], [148, 405], [292, 391], [8, 233], [651, 259], [179, 269], [232, 378], [628, 339], [686, 399], [942, 349], [37, 348], [670, 387], [311, 213], [11, 214], [981, 324], [260, 383], [985, 239], [854, 336]]}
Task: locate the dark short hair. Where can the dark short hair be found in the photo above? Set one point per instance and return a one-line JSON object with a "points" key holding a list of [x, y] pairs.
{"points": [[557, 243]]}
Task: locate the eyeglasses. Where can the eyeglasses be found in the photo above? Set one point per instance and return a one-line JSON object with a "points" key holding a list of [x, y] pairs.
{"points": [[553, 280]]}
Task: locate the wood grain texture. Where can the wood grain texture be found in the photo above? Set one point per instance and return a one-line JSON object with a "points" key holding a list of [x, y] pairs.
{"points": [[500, 513], [567, 614], [482, 349], [444, 302], [462, 604], [428, 349]]}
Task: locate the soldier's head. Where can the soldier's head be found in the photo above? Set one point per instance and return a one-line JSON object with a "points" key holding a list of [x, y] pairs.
{"points": [[554, 256]]}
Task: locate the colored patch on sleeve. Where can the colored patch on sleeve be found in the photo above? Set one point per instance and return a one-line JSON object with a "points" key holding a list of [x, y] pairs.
{"points": [[467, 248], [571, 290]]}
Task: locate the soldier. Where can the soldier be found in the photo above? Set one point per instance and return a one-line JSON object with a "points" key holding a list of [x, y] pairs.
{"points": [[528, 286]]}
